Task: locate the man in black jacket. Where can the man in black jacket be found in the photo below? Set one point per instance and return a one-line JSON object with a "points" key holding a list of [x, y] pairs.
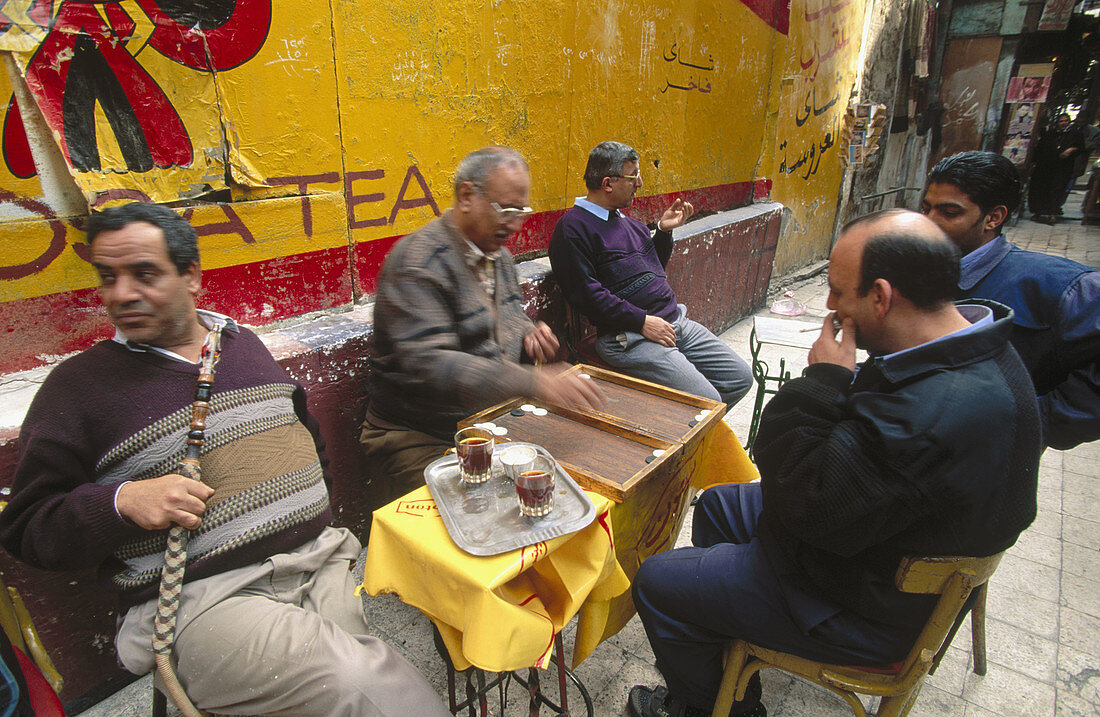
{"points": [[930, 448]]}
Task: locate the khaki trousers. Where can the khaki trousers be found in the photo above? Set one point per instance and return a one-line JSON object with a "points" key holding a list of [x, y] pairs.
{"points": [[396, 459], [284, 637]]}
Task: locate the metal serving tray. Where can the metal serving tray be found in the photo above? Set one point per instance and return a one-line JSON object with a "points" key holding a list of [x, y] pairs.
{"points": [[484, 519]]}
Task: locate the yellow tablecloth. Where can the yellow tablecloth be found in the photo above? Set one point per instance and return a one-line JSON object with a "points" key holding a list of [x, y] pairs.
{"points": [[720, 459], [498, 612]]}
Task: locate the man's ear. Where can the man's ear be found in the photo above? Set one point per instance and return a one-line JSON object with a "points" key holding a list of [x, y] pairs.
{"points": [[882, 298], [193, 278], [996, 217], [464, 196]]}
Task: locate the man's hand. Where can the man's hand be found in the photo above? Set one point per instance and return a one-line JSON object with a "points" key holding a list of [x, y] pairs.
{"points": [[554, 386], [676, 215], [659, 331], [156, 503], [828, 350], [541, 344]]}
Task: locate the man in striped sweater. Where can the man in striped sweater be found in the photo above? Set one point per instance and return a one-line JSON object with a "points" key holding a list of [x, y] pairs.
{"points": [[268, 620]]}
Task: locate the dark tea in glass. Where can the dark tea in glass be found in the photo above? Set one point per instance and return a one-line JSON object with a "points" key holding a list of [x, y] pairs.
{"points": [[474, 447], [535, 488]]}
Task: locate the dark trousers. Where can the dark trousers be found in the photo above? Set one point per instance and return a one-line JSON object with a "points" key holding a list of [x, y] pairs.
{"points": [[692, 601], [1048, 189]]}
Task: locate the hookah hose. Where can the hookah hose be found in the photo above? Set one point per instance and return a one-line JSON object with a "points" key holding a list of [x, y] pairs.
{"points": [[175, 555]]}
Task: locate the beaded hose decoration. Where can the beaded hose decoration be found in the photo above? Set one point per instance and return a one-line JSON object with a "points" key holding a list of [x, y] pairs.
{"points": [[175, 556]]}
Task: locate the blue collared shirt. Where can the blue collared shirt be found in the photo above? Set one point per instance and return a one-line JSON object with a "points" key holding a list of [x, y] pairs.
{"points": [[974, 258], [593, 208], [978, 316]]}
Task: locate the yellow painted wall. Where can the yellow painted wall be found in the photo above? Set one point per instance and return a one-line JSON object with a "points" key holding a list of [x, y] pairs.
{"points": [[367, 107], [813, 93], [426, 82]]}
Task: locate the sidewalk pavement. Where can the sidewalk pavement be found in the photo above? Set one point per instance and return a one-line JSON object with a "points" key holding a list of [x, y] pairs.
{"points": [[1042, 620]]}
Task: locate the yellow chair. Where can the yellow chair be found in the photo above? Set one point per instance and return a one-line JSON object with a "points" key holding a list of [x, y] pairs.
{"points": [[17, 624], [951, 578], [977, 632]]}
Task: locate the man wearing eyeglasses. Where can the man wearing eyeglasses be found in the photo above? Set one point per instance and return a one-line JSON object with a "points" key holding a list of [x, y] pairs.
{"points": [[449, 327], [613, 271]]}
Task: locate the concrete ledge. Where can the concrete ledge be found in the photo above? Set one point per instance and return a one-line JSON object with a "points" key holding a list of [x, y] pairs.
{"points": [[720, 268]]}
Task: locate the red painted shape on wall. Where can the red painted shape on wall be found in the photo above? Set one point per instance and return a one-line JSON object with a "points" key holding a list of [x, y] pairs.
{"points": [[762, 189], [776, 13], [148, 130], [231, 40], [17, 150]]}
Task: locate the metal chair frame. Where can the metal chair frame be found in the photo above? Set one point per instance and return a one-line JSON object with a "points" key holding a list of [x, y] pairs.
{"points": [[766, 385]]}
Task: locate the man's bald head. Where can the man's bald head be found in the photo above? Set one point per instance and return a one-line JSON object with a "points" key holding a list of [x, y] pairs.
{"points": [[907, 250]]}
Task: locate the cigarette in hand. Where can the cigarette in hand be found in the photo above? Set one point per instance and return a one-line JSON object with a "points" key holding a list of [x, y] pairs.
{"points": [[837, 326]]}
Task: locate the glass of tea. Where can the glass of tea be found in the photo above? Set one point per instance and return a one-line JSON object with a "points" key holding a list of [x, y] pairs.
{"points": [[474, 447], [535, 487]]}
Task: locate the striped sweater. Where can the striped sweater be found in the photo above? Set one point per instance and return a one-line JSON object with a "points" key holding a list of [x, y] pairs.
{"points": [[111, 414]]}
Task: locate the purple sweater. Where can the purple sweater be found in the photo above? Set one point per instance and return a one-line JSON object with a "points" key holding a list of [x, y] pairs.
{"points": [[111, 414], [613, 271]]}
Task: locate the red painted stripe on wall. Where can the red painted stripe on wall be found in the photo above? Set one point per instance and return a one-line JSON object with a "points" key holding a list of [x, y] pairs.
{"points": [[266, 291], [535, 235], [33, 329]]}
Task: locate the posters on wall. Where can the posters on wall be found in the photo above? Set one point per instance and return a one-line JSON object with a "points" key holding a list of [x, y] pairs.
{"points": [[1056, 14], [1020, 127], [1028, 89], [1027, 92]]}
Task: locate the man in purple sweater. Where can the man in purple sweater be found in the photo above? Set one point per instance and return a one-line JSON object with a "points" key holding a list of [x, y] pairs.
{"points": [[613, 271], [268, 621]]}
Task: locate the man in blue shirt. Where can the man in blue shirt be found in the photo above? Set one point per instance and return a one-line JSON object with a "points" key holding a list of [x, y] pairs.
{"points": [[613, 271], [1056, 327]]}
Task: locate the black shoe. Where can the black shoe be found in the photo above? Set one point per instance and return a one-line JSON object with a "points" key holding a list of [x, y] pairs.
{"points": [[657, 702], [650, 702]]}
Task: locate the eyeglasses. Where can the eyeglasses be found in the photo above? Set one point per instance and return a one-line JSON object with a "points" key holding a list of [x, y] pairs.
{"points": [[508, 215], [636, 177]]}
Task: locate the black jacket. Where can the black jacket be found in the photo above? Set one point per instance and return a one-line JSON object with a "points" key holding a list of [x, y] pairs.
{"points": [[930, 452]]}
